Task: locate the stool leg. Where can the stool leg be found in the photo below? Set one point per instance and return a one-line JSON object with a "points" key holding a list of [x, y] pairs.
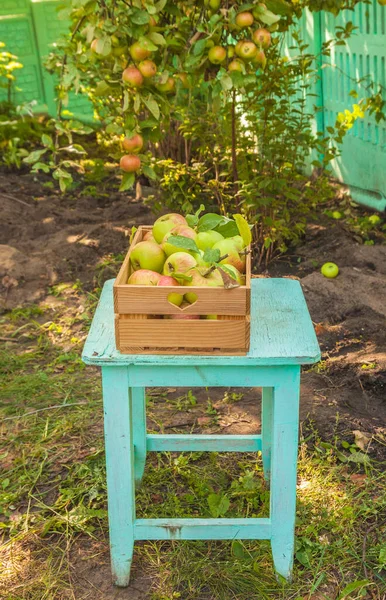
{"points": [[120, 470], [285, 423], [266, 430], [139, 432]]}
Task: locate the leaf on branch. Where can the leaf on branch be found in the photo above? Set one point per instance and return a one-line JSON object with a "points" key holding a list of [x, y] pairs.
{"points": [[185, 243], [128, 180], [227, 229], [157, 38], [152, 106]]}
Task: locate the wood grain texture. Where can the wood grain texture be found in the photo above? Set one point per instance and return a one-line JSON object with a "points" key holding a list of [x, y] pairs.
{"points": [[179, 334], [281, 331]]}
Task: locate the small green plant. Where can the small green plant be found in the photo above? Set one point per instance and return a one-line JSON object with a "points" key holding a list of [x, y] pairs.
{"points": [[9, 64]]}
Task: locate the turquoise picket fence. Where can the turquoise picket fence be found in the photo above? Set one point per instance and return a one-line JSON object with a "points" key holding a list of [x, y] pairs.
{"points": [[30, 28]]}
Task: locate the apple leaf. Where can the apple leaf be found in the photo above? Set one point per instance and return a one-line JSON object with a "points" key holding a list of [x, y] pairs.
{"points": [[157, 38], [128, 180], [244, 230], [192, 220], [149, 172], [140, 17], [132, 233], [268, 17], [209, 221], [212, 256], [185, 243], [182, 277], [228, 228], [218, 504], [103, 46], [228, 280], [153, 107]]}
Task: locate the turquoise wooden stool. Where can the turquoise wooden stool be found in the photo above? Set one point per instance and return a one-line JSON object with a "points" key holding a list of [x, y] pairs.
{"points": [[282, 339]]}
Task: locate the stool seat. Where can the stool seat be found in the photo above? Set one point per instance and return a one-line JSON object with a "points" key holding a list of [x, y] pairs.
{"points": [[282, 339]]}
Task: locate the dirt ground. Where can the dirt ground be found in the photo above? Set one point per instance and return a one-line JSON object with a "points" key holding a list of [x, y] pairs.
{"points": [[47, 239]]}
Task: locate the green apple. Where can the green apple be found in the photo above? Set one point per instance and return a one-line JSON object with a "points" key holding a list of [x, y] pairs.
{"points": [[190, 297], [207, 239], [228, 247], [214, 278], [147, 255], [330, 270], [211, 317], [173, 298], [238, 242], [165, 224], [144, 277], [180, 262]]}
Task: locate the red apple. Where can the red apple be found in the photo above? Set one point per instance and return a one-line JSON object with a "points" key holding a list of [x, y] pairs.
{"points": [[246, 49], [148, 68], [144, 277], [217, 55], [167, 87], [236, 65], [133, 144], [244, 19], [133, 77], [138, 52], [262, 38], [180, 262], [130, 163]]}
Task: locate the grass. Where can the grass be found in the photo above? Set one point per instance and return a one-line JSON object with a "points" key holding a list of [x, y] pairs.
{"points": [[53, 492]]}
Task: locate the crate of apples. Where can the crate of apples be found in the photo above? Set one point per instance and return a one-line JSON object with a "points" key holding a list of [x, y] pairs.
{"points": [[184, 287]]}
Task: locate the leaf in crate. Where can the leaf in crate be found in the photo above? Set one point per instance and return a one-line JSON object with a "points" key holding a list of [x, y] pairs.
{"points": [[211, 256], [182, 277], [218, 505], [229, 282], [185, 243], [128, 180], [192, 220], [228, 229], [132, 233], [244, 229], [209, 221]]}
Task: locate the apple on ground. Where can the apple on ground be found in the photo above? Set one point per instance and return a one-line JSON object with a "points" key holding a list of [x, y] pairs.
{"points": [[165, 224], [228, 247], [147, 255], [180, 262], [330, 270], [166, 280], [144, 277], [207, 239]]}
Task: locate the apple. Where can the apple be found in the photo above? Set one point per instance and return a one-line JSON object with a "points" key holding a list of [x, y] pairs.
{"points": [[130, 163], [180, 262], [147, 255], [133, 77], [211, 317], [199, 256], [244, 19], [214, 4], [167, 87], [148, 237], [231, 51], [190, 297], [166, 223], [144, 277], [246, 49], [138, 52], [217, 55], [183, 317], [175, 299], [382, 2], [152, 21], [330, 270], [262, 38], [94, 46], [228, 247], [260, 59], [133, 144], [207, 239], [214, 278], [236, 65], [238, 242], [183, 77], [148, 68], [182, 230]]}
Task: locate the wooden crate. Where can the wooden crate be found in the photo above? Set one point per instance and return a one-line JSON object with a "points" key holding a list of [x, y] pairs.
{"points": [[141, 329]]}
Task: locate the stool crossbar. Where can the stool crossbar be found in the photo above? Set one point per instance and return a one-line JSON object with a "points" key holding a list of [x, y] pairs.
{"points": [[282, 338]]}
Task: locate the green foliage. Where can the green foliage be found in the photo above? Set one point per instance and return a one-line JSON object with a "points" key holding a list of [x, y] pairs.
{"points": [[8, 65]]}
